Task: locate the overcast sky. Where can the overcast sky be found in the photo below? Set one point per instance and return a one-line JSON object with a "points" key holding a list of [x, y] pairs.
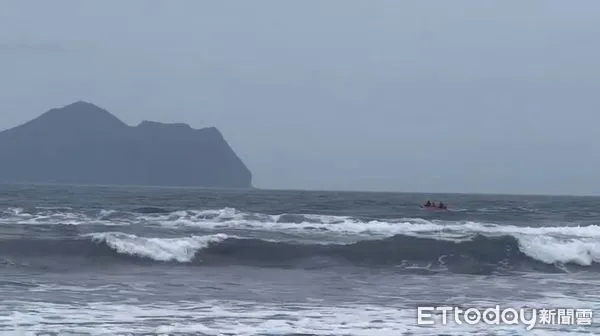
{"points": [[450, 96]]}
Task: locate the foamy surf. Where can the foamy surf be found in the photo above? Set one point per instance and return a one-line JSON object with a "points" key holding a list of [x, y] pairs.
{"points": [[230, 218], [549, 244], [160, 249], [275, 263], [324, 225], [551, 250], [243, 318], [478, 253]]}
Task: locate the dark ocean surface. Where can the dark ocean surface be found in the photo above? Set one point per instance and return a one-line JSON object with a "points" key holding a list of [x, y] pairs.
{"points": [[152, 261]]}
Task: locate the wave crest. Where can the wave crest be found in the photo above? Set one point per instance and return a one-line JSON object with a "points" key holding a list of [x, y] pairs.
{"points": [[159, 249], [475, 254]]}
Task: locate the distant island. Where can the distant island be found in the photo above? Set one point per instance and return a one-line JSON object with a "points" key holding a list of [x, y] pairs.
{"points": [[82, 143]]}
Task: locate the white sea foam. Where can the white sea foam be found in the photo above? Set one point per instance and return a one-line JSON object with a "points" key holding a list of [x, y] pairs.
{"points": [[50, 215], [161, 249], [233, 219], [555, 250], [549, 244], [231, 318]]}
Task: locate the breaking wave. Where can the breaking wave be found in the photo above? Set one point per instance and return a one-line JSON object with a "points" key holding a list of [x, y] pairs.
{"points": [[229, 236], [476, 254], [159, 249], [229, 218]]}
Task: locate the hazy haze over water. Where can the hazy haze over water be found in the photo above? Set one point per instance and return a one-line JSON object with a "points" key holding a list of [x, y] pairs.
{"points": [[463, 96]]}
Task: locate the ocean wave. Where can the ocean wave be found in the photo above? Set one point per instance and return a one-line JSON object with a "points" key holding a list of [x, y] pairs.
{"points": [[108, 244], [403, 242], [159, 249], [232, 219], [474, 254]]}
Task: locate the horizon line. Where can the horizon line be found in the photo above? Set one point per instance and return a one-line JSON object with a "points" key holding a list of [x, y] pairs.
{"points": [[253, 188]]}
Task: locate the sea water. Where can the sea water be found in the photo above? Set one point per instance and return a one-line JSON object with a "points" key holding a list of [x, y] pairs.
{"points": [[163, 261]]}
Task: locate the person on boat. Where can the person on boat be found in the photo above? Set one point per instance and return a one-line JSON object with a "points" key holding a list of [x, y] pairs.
{"points": [[428, 204], [442, 205]]}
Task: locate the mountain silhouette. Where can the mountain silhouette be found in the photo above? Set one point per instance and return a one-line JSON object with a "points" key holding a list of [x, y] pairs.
{"points": [[82, 143]]}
